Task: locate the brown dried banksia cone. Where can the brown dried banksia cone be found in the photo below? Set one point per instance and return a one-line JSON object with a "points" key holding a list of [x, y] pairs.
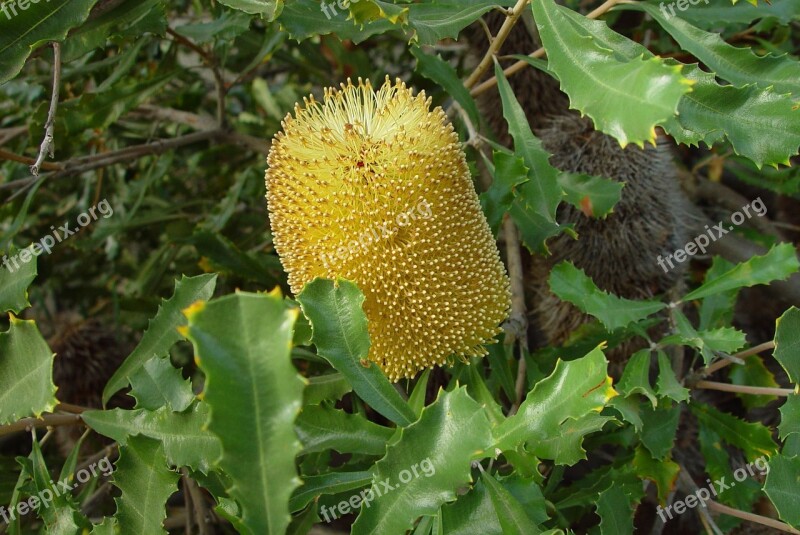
{"points": [[373, 187]]}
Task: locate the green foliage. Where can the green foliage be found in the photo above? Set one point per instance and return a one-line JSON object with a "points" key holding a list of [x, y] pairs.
{"points": [[26, 372], [270, 404], [242, 343]]}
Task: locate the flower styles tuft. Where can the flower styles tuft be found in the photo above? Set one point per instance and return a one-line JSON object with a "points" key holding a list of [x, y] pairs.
{"points": [[373, 187]]}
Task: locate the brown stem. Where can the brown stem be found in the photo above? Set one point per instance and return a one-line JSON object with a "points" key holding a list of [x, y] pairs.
{"points": [[521, 64], [47, 420], [47, 144], [743, 389], [766, 346], [496, 43], [751, 517], [48, 166], [518, 322]]}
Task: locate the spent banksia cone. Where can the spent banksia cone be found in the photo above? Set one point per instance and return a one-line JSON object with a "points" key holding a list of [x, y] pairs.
{"points": [[373, 187]]}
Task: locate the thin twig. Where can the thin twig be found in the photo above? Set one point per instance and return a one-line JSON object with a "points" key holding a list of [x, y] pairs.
{"points": [[198, 502], [518, 322], [47, 144], [74, 409], [690, 487], [766, 346], [47, 420], [751, 517], [521, 64], [47, 166], [743, 389], [496, 43]]}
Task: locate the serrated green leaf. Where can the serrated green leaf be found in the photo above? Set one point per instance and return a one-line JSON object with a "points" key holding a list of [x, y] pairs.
{"points": [[658, 430], [667, 384], [574, 389], [305, 18], [636, 377], [718, 466], [268, 9], [146, 484], [662, 473], [630, 409], [442, 19], [321, 428], [777, 264], [472, 513], [760, 124], [593, 195], [509, 172], [710, 16], [542, 192], [637, 94], [23, 30], [790, 416], [754, 439], [26, 372], [243, 344], [572, 284], [477, 388], [162, 331], [615, 512], [14, 283], [783, 487], [107, 527], [434, 68], [717, 310], [183, 435], [330, 386], [340, 333], [332, 483], [60, 516], [130, 18], [787, 343], [753, 373], [509, 511], [567, 446], [452, 432], [739, 66], [158, 383]]}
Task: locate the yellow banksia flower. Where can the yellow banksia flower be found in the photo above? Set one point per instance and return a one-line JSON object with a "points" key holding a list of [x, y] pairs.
{"points": [[373, 187]]}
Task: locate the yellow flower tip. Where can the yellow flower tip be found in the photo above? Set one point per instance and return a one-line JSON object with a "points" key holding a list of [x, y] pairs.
{"points": [[372, 186]]}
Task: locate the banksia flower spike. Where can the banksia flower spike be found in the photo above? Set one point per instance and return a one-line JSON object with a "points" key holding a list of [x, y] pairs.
{"points": [[373, 187]]}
